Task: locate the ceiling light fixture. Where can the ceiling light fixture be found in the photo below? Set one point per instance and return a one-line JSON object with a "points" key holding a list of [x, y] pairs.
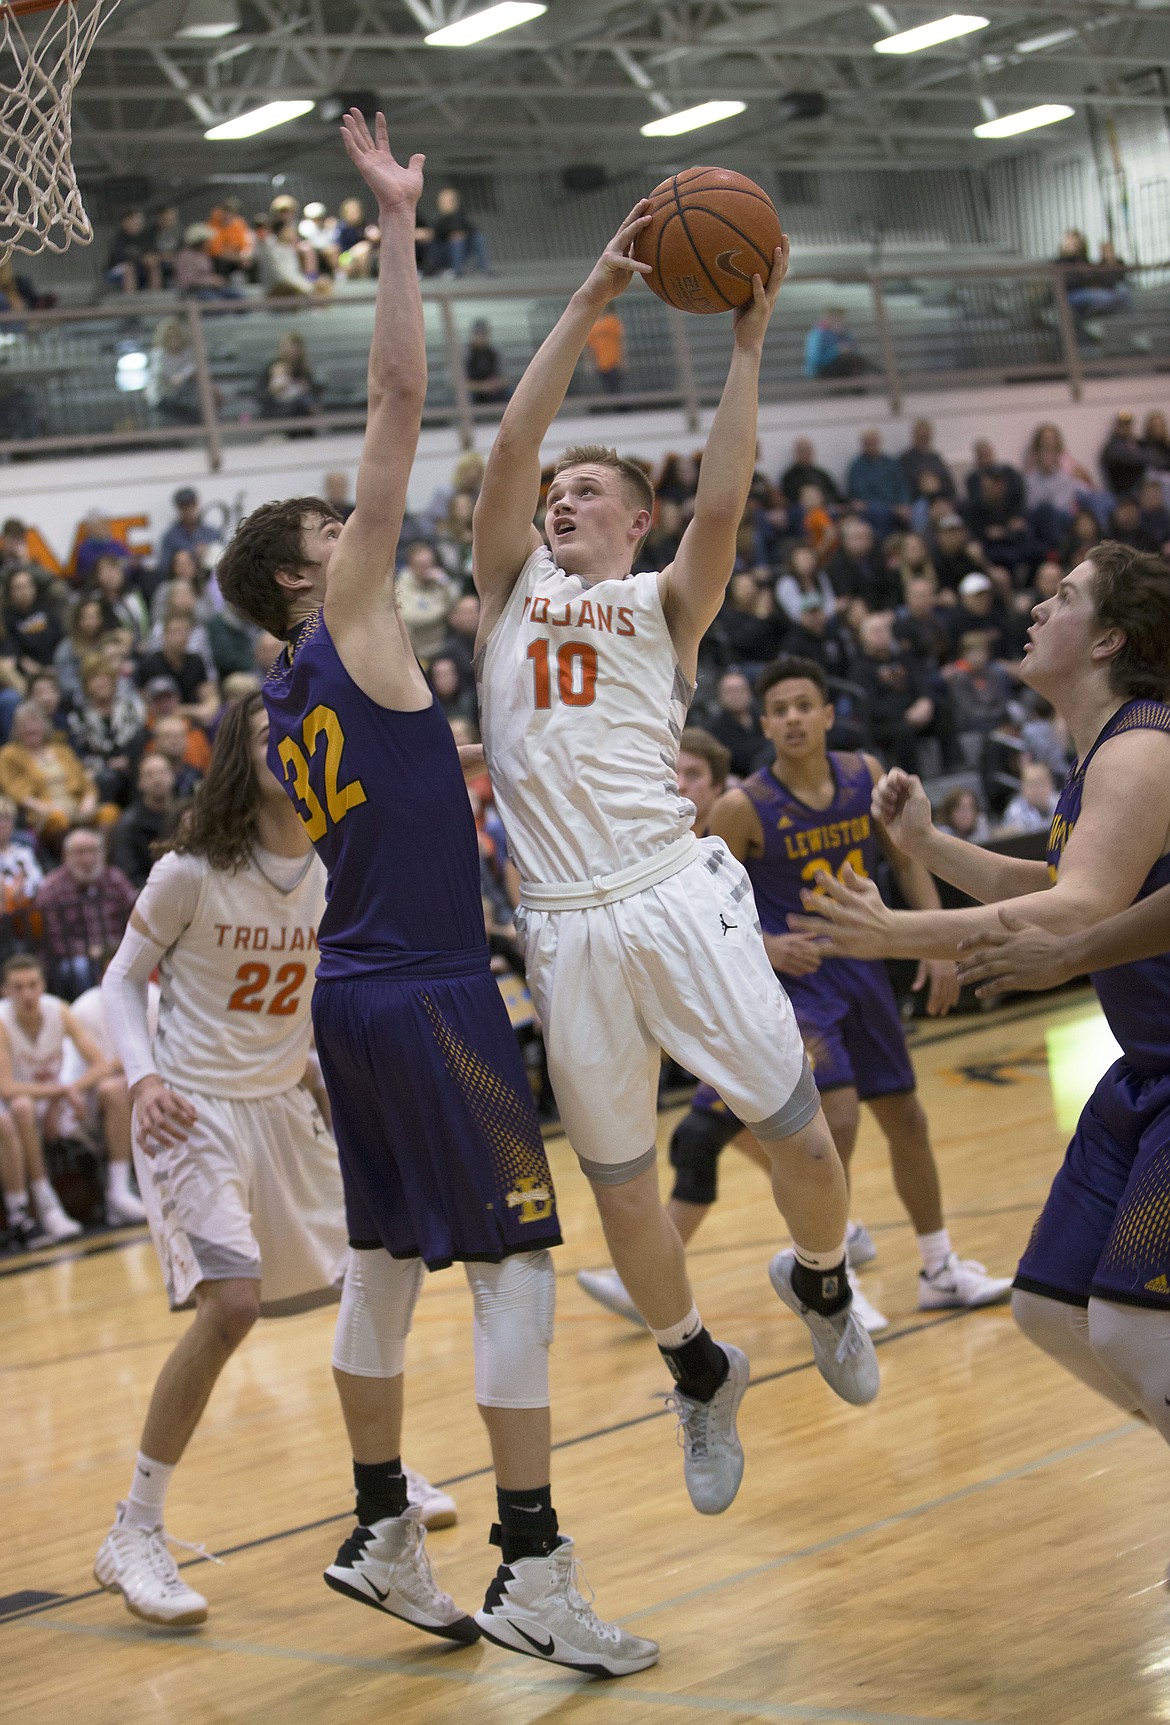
{"points": [[1047, 114], [1053, 39], [259, 120], [208, 20], [690, 119], [466, 32], [930, 35]]}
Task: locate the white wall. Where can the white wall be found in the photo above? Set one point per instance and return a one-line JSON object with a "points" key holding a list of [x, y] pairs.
{"points": [[53, 496]]}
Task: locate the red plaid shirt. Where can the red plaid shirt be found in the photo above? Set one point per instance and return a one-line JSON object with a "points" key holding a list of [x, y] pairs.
{"points": [[84, 921]]}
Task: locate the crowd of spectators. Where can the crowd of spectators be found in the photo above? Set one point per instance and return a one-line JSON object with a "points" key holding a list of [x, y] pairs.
{"points": [[910, 584], [288, 252]]}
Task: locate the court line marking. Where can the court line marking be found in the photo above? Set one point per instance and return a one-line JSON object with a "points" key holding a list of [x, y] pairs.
{"points": [[482, 1472], [512, 1679], [975, 1489]]}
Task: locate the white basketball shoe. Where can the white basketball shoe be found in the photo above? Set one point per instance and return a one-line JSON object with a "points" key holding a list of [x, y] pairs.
{"points": [[535, 1606], [872, 1321], [712, 1452], [436, 1508], [608, 1289], [841, 1348], [135, 1562], [961, 1282], [386, 1566], [860, 1246]]}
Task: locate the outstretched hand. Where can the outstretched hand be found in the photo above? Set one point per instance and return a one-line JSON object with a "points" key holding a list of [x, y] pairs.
{"points": [[395, 187], [941, 981], [616, 268], [847, 913], [1017, 955], [750, 320]]}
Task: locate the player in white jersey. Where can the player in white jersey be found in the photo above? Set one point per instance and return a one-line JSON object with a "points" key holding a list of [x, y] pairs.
{"points": [[38, 1034], [639, 936], [240, 1176]]}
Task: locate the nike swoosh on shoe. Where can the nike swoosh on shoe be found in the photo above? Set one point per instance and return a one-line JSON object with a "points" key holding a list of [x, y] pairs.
{"points": [[533, 1642]]}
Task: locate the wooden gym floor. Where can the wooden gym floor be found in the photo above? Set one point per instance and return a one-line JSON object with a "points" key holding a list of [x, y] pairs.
{"points": [[983, 1546]]}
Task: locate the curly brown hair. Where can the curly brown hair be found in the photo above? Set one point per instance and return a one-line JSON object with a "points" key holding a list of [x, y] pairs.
{"points": [[221, 822], [1132, 593], [266, 542]]}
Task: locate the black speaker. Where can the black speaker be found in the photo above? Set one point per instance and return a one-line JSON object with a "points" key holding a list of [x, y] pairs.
{"points": [[330, 108], [802, 105], [584, 177]]}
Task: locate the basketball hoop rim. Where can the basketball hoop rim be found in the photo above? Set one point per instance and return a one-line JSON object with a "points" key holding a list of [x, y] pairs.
{"points": [[26, 8]]}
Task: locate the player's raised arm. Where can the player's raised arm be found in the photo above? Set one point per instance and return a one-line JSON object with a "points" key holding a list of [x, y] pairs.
{"points": [[1120, 833], [504, 534], [694, 584], [363, 566], [901, 809]]}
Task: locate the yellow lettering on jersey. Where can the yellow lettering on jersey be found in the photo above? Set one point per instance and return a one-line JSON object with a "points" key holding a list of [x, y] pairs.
{"points": [[322, 721], [532, 1198]]}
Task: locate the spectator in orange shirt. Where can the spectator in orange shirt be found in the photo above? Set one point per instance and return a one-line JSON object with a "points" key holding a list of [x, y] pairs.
{"points": [[232, 241], [607, 344]]}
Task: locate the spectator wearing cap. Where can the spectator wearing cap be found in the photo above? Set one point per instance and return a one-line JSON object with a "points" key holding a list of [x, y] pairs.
{"points": [[921, 458], [188, 531], [1123, 460], [198, 694], [878, 483], [85, 906], [804, 470], [953, 551], [977, 609]]}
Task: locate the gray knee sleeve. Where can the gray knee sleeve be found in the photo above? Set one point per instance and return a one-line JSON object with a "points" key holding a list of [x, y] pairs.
{"points": [[1132, 1343], [514, 1305], [377, 1305], [1062, 1331]]}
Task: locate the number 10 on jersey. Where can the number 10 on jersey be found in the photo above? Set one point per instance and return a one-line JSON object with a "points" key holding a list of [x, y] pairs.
{"points": [[576, 673]]}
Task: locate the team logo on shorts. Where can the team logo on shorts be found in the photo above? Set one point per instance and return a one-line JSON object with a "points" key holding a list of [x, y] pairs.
{"points": [[1159, 1285], [532, 1198]]}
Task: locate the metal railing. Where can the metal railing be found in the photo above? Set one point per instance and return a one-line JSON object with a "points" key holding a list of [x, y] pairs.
{"points": [[103, 378]]}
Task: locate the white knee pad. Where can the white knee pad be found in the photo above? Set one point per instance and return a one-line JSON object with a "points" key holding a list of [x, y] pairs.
{"points": [[1133, 1344], [1062, 1330], [377, 1305], [514, 1305]]}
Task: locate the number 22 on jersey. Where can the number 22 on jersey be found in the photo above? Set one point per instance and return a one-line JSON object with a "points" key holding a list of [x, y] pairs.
{"points": [[321, 722], [576, 675]]}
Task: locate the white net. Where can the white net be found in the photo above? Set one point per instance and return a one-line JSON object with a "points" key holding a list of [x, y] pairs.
{"points": [[44, 45]]}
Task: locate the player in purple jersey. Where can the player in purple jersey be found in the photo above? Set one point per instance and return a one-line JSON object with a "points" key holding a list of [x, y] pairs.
{"points": [[806, 812], [441, 1153], [1093, 1286]]}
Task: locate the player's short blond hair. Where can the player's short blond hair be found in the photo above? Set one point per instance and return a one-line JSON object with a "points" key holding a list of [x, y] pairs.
{"points": [[635, 480]]}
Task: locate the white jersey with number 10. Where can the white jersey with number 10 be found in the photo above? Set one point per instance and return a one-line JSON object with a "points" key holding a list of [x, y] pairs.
{"points": [[582, 704]]}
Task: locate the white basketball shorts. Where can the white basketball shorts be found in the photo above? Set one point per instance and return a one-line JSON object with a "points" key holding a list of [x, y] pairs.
{"points": [[678, 966], [254, 1192]]}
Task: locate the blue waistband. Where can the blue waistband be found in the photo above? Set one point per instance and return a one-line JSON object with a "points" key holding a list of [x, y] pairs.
{"points": [[359, 964]]}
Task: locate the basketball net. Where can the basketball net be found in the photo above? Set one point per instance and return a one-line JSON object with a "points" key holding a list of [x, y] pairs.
{"points": [[44, 45]]}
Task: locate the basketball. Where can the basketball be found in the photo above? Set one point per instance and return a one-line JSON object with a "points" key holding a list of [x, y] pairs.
{"points": [[711, 231]]}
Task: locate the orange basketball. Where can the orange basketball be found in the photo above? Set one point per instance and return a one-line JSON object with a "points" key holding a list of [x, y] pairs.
{"points": [[711, 231]]}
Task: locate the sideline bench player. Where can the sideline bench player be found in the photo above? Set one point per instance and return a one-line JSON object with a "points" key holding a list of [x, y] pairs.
{"points": [[808, 811], [640, 937], [240, 1177], [1093, 1286], [441, 1152]]}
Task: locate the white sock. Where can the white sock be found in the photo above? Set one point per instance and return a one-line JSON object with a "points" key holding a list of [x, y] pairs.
{"points": [[44, 1197], [16, 1207], [146, 1499], [684, 1331], [935, 1249], [118, 1180], [822, 1261]]}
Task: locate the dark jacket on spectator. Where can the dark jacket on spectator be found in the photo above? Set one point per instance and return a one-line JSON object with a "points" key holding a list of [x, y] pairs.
{"points": [[136, 831], [881, 588], [803, 473]]}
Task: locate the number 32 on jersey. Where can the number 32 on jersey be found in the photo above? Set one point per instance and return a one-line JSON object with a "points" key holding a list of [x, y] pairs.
{"points": [[339, 799]]}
